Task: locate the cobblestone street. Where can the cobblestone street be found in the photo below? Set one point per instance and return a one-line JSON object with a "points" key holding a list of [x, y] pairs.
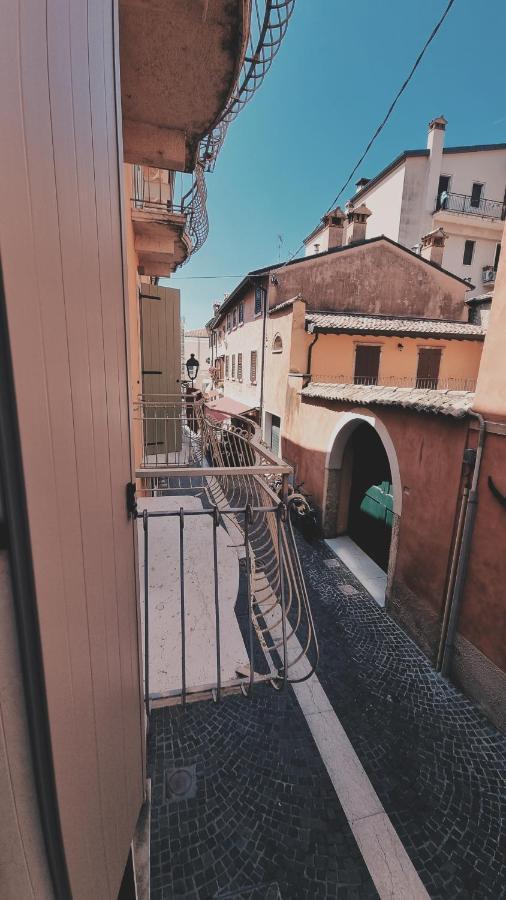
{"points": [[261, 818]]}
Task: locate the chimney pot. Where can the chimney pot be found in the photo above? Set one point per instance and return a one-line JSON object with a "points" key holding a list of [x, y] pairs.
{"points": [[433, 244]]}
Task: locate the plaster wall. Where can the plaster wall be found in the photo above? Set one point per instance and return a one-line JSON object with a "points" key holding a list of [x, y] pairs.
{"points": [[371, 278], [385, 202], [484, 255], [487, 167], [491, 388], [334, 355], [243, 339]]}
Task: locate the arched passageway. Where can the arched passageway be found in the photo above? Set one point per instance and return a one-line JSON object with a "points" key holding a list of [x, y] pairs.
{"points": [[370, 506]]}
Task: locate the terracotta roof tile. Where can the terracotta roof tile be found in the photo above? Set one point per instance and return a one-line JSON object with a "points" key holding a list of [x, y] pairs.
{"points": [[447, 403], [355, 323]]}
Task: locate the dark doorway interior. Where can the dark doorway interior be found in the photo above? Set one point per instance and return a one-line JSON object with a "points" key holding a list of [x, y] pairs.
{"points": [[370, 510]]}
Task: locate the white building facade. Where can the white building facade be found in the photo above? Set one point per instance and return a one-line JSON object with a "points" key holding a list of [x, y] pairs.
{"points": [[459, 189], [197, 341]]}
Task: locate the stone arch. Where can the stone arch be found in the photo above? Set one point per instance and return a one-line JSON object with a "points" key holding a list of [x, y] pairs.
{"points": [[335, 478]]}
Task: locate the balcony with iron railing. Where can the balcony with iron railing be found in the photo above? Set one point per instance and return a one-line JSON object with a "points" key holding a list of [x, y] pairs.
{"points": [[466, 204], [223, 601], [424, 383]]}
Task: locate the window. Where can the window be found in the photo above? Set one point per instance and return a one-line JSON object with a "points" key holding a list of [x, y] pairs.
{"points": [[277, 344], [239, 366], [259, 296], [233, 366], [427, 373], [367, 360], [226, 367], [442, 189], [234, 318], [468, 253], [253, 367], [275, 434], [229, 322], [241, 313], [476, 195], [497, 255]]}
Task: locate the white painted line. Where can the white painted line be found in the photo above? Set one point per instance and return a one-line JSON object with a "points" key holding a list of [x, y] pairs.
{"points": [[363, 567], [390, 867]]}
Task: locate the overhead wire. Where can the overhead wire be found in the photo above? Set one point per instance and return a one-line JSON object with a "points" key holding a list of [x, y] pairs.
{"points": [[390, 110]]}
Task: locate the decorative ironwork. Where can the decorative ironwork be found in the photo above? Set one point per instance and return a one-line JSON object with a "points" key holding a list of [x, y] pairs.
{"points": [[466, 204], [245, 487], [435, 384]]}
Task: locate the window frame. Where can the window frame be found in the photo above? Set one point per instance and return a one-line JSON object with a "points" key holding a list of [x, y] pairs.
{"points": [[241, 313], [255, 354], [227, 365], [229, 322], [239, 367], [466, 242], [232, 376], [234, 317], [259, 293], [360, 345], [482, 186]]}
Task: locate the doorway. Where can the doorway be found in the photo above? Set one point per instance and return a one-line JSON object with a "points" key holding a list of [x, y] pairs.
{"points": [[370, 509]]}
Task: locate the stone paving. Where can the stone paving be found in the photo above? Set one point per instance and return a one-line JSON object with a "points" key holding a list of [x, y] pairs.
{"points": [[437, 765], [264, 821], [261, 819]]}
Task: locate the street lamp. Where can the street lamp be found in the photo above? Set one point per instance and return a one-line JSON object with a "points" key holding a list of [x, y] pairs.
{"points": [[192, 367]]}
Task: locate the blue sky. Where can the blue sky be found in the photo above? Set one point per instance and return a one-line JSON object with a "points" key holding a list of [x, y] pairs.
{"points": [[292, 147]]}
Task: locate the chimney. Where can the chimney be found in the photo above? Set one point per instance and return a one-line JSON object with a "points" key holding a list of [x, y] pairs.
{"points": [[433, 245], [361, 183], [329, 233], [216, 307], [435, 144], [357, 222]]}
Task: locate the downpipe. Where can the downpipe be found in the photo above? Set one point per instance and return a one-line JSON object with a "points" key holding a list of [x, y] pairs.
{"points": [[465, 551]]}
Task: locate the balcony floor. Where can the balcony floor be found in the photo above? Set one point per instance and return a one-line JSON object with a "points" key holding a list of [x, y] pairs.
{"points": [[277, 808]]}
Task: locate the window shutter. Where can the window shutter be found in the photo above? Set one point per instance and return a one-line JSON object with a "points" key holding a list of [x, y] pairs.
{"points": [[253, 367]]}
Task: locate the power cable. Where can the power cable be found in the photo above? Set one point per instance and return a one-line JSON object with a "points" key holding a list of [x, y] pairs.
{"points": [[386, 118]]}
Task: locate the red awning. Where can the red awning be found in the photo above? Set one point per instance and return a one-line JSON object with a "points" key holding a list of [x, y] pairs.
{"points": [[225, 408]]}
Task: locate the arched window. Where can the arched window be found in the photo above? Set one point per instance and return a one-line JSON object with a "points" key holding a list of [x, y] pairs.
{"points": [[277, 344]]}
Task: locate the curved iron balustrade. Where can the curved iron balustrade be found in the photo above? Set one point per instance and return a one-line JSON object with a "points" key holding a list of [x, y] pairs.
{"points": [[246, 487]]}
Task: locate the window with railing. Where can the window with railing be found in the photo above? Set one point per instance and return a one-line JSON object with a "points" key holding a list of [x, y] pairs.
{"points": [[239, 366], [253, 367], [367, 361]]}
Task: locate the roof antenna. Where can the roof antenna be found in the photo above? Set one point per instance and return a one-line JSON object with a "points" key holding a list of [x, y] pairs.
{"points": [[280, 243]]}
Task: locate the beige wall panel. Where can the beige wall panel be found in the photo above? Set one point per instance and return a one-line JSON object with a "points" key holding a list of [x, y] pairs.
{"points": [[61, 251]]}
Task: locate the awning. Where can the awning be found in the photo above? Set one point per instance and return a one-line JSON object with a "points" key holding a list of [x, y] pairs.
{"points": [[225, 408]]}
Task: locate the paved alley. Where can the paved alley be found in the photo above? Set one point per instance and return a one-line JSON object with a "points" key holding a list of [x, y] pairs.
{"points": [[259, 817]]}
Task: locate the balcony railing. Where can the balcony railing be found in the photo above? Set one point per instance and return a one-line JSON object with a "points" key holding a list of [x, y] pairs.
{"points": [[219, 477], [427, 383], [154, 190], [464, 203]]}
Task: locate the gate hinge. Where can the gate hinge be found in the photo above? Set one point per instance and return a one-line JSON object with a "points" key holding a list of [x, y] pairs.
{"points": [[131, 500]]}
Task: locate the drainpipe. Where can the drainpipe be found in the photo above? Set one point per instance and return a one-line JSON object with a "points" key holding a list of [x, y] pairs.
{"points": [[465, 550], [310, 354]]}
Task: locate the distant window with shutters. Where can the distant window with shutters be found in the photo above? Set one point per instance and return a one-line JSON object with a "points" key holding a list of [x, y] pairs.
{"points": [[241, 313], [229, 322], [226, 366], [259, 293], [497, 256], [239, 366], [429, 362], [476, 193], [468, 253], [367, 360], [253, 367], [234, 318], [233, 366]]}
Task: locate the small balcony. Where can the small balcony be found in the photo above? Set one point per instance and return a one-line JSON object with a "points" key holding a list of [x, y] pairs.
{"points": [[465, 204], [224, 606], [167, 230]]}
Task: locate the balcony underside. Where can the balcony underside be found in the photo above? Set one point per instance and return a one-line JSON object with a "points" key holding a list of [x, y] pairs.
{"points": [[179, 63], [160, 241], [462, 223]]}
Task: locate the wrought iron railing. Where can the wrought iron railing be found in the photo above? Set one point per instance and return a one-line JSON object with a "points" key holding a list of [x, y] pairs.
{"points": [[242, 487], [154, 191], [428, 383], [466, 204], [268, 25]]}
